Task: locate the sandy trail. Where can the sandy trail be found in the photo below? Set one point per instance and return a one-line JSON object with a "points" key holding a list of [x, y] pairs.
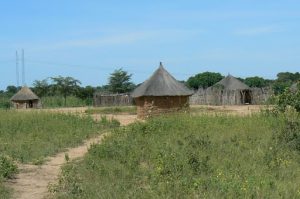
{"points": [[32, 181]]}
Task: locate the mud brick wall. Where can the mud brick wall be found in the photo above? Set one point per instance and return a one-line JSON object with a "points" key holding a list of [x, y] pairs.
{"points": [[151, 106]]}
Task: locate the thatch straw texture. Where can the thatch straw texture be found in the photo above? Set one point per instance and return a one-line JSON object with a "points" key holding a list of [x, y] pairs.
{"points": [[161, 83], [24, 94]]}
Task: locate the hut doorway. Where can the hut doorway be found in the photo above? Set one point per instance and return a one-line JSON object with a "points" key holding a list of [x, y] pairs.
{"points": [[246, 97], [30, 104]]}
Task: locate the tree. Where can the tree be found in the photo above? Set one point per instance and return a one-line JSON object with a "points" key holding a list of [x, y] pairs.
{"points": [[284, 80], [65, 85], [256, 81], [11, 89], [279, 86], [86, 92], [204, 80], [288, 77], [119, 82], [41, 87]]}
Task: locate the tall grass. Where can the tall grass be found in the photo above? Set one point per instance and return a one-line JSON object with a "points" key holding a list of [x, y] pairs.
{"points": [[58, 101], [187, 157], [30, 136]]}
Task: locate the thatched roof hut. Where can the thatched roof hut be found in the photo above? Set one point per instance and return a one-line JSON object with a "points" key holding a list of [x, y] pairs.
{"points": [[161, 93], [25, 98], [228, 91], [231, 91], [231, 83]]}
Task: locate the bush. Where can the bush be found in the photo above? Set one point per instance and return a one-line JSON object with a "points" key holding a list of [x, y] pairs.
{"points": [[7, 167], [288, 99], [113, 123], [289, 134]]}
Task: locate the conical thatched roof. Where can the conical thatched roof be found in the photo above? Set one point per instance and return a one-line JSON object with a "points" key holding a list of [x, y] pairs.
{"points": [[232, 83], [24, 94], [161, 83]]}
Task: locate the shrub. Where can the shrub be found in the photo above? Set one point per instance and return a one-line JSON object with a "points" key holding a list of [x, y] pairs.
{"points": [[288, 98], [289, 133], [109, 123], [7, 167]]}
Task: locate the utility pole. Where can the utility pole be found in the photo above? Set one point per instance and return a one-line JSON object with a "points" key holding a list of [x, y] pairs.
{"points": [[23, 69], [17, 69]]}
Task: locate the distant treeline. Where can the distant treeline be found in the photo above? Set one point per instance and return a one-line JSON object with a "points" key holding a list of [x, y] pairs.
{"points": [[67, 91], [283, 81]]}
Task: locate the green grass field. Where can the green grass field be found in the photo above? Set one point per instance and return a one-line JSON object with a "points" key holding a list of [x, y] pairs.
{"points": [[187, 157], [30, 136], [112, 110]]}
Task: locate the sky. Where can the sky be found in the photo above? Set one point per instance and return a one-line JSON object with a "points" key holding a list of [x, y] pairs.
{"points": [[89, 39]]}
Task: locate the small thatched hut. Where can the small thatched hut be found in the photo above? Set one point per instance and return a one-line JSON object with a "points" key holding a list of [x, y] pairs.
{"points": [[228, 91], [161, 93], [25, 98]]}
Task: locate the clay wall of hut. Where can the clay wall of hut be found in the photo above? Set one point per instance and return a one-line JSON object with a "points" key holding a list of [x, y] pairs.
{"points": [[261, 95], [26, 104], [155, 105], [215, 96]]}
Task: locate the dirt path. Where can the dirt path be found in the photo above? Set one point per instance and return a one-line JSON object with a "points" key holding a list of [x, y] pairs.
{"points": [[32, 181]]}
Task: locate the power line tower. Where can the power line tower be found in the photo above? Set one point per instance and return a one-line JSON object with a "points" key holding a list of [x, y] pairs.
{"points": [[17, 69], [23, 69]]}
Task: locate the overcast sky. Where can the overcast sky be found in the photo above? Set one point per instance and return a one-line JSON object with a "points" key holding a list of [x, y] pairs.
{"points": [[89, 39]]}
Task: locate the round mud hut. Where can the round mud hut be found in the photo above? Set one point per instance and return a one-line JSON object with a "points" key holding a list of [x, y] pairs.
{"points": [[231, 91], [25, 98], [161, 93]]}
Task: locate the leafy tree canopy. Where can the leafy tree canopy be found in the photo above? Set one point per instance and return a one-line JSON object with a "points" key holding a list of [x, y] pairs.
{"points": [[204, 80], [256, 81], [284, 80], [119, 82], [65, 85], [41, 87], [288, 77], [11, 89]]}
